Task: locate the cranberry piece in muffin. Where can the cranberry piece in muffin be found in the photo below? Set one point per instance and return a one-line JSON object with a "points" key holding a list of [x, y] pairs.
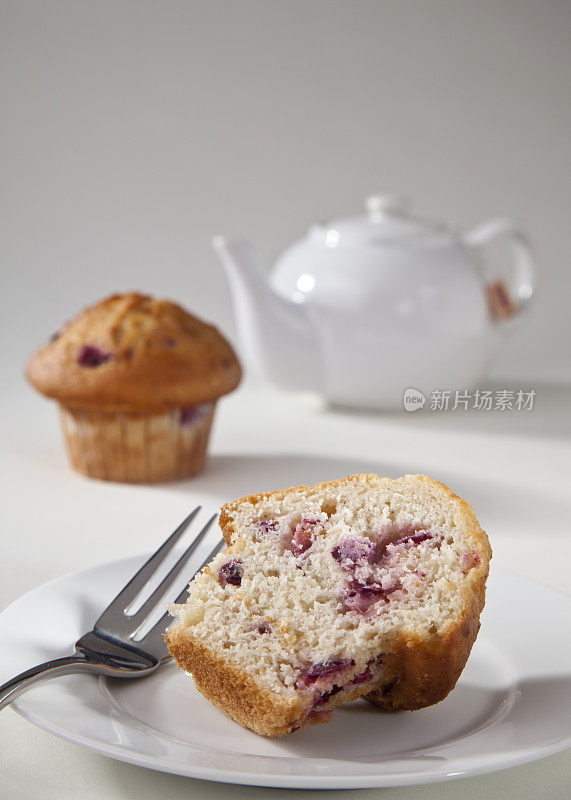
{"points": [[91, 355]]}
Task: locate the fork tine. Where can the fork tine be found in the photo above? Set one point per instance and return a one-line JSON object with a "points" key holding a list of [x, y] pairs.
{"points": [[132, 589], [159, 627], [214, 552], [171, 576]]}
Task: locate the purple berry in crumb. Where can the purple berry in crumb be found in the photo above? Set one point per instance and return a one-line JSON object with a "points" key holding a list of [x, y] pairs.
{"points": [[259, 627], [363, 677], [301, 541], [326, 695], [322, 674], [91, 355], [303, 535], [266, 525], [231, 572], [415, 538], [169, 342], [188, 414], [470, 560], [353, 549], [367, 589], [327, 668], [360, 597]]}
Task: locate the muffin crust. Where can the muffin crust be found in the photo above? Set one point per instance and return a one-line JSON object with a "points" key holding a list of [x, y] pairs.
{"points": [[132, 352]]}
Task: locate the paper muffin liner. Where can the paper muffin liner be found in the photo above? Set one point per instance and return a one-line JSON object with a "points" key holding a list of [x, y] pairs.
{"points": [[138, 447]]}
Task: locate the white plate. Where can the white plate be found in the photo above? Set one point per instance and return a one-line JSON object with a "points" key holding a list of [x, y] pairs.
{"points": [[512, 704]]}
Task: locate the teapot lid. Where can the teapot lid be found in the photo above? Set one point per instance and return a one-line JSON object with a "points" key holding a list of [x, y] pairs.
{"points": [[387, 219]]}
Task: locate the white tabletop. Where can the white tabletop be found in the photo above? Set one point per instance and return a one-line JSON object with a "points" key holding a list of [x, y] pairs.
{"points": [[513, 466]]}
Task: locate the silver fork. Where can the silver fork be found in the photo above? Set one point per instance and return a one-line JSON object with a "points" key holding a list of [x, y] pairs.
{"points": [[110, 648]]}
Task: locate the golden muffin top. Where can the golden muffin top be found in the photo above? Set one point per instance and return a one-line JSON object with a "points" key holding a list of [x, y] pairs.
{"points": [[131, 352]]}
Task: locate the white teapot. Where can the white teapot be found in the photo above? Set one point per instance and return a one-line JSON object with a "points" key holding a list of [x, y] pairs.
{"points": [[362, 309]]}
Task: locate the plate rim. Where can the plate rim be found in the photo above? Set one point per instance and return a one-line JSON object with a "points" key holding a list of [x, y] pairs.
{"points": [[519, 758]]}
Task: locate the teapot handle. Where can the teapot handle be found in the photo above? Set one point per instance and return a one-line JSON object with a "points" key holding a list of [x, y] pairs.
{"points": [[504, 302]]}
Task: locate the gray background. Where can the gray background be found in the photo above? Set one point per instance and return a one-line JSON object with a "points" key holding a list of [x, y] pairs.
{"points": [[132, 131]]}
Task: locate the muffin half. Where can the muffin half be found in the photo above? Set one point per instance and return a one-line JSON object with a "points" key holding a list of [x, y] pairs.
{"points": [[361, 587]]}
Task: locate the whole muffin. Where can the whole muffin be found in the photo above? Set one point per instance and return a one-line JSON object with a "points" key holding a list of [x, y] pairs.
{"points": [[137, 380]]}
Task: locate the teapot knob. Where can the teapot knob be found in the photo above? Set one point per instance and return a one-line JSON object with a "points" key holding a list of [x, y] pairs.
{"points": [[390, 203]]}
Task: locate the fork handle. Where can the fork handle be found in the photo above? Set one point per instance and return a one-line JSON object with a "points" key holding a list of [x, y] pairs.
{"points": [[49, 669]]}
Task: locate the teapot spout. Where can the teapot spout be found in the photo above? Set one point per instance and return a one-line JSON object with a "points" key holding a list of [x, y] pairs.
{"points": [[278, 336]]}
